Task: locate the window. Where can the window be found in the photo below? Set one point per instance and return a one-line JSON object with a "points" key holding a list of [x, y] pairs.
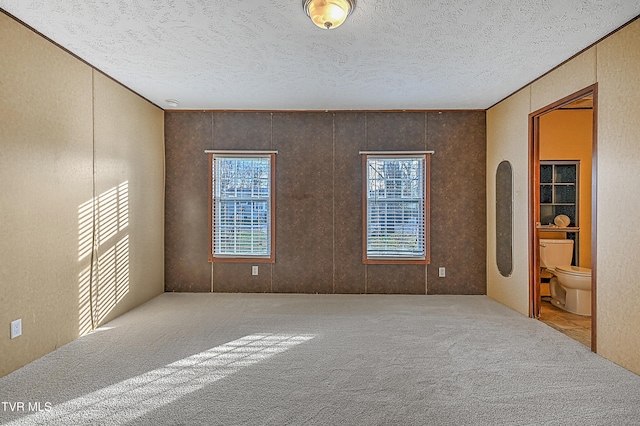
{"points": [[242, 206], [396, 208]]}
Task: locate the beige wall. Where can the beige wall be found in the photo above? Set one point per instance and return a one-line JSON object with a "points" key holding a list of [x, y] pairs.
{"points": [[619, 198], [55, 110], [614, 64], [568, 135], [505, 126]]}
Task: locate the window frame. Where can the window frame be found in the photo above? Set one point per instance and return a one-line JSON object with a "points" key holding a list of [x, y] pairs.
{"points": [[272, 206], [371, 260]]}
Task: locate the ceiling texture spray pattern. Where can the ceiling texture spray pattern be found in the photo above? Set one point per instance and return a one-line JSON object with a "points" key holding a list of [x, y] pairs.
{"points": [[268, 55]]}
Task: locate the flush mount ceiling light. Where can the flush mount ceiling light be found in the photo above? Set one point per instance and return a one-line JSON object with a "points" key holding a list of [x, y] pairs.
{"points": [[328, 14], [172, 103]]}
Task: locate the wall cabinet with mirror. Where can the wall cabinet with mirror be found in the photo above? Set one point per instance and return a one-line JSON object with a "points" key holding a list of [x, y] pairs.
{"points": [[559, 189]]}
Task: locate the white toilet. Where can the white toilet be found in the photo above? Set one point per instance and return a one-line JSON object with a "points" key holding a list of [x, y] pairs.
{"points": [[570, 286]]}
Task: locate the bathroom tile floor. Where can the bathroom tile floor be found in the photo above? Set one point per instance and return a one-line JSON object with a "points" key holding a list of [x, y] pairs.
{"points": [[577, 327]]}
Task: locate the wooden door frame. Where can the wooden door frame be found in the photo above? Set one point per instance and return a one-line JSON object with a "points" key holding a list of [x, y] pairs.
{"points": [[534, 202]]}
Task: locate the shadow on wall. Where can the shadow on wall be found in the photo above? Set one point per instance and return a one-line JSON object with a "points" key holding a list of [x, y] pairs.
{"points": [[103, 254]]}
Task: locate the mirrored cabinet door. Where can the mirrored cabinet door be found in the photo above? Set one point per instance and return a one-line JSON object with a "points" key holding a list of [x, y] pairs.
{"points": [[559, 191]]}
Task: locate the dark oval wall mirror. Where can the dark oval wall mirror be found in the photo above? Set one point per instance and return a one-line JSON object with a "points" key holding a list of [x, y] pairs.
{"points": [[504, 218]]}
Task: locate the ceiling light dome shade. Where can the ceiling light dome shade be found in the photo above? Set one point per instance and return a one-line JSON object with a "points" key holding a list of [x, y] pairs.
{"points": [[328, 14]]}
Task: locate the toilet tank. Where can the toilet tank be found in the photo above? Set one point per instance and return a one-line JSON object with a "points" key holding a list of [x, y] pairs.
{"points": [[555, 252]]}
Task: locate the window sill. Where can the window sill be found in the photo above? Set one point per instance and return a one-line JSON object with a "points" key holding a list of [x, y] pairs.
{"points": [[242, 259], [393, 261]]}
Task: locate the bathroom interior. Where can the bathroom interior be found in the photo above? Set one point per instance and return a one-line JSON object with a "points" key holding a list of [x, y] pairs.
{"points": [[564, 218]]}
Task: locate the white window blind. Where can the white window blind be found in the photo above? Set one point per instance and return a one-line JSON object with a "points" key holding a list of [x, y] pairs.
{"points": [[241, 206], [395, 207]]}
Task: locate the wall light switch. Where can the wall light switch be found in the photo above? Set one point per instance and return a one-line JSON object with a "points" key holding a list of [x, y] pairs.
{"points": [[16, 328], [441, 272], [254, 270]]}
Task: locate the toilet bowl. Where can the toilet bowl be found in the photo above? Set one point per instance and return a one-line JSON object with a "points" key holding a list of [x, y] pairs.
{"points": [[571, 289], [570, 286]]}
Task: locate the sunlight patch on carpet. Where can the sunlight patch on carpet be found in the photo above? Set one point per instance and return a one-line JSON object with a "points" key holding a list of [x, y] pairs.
{"points": [[132, 398]]}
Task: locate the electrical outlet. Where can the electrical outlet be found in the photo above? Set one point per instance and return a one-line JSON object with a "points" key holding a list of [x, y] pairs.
{"points": [[441, 272], [254, 270], [16, 328]]}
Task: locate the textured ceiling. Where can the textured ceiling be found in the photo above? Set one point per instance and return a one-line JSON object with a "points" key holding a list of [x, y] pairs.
{"points": [[267, 55]]}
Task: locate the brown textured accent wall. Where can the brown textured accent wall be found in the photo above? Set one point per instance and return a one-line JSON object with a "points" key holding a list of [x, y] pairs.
{"points": [[319, 200], [458, 202], [349, 140], [304, 203], [186, 206]]}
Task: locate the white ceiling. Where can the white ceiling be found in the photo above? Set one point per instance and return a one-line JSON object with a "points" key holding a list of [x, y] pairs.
{"points": [[267, 55]]}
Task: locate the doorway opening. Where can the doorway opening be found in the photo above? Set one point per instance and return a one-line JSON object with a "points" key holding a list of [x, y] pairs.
{"points": [[562, 206]]}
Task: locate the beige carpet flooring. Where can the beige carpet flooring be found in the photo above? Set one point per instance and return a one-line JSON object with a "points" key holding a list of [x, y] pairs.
{"points": [[268, 359]]}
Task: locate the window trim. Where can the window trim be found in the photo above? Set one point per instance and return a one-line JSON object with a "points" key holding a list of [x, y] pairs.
{"points": [[272, 207], [427, 208]]}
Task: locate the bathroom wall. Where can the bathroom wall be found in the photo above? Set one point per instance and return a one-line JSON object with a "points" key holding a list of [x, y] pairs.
{"points": [[614, 64], [62, 122], [319, 200], [568, 135]]}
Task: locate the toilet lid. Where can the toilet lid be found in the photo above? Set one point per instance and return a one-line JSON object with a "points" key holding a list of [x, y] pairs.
{"points": [[573, 270]]}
